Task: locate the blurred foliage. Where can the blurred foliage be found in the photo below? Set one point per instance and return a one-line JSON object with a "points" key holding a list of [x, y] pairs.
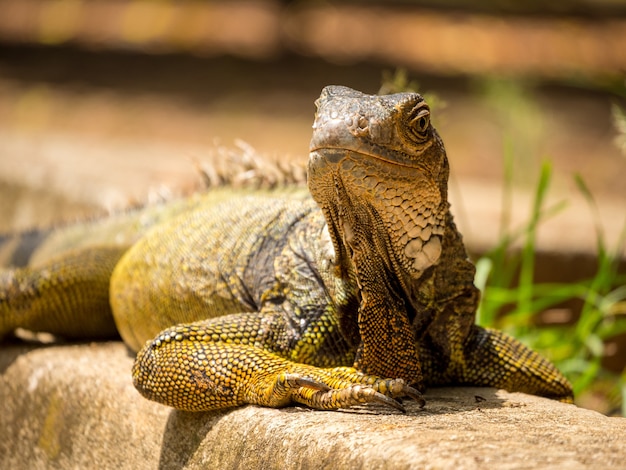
{"points": [[512, 300], [398, 81], [619, 121], [522, 121]]}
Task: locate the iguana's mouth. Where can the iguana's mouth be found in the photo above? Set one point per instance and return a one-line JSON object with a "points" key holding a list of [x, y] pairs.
{"points": [[336, 154]]}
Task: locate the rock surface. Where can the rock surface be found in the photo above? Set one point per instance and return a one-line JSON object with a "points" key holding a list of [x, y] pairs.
{"points": [[74, 406]]}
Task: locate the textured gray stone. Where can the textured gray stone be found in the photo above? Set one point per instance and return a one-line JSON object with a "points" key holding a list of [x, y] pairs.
{"points": [[74, 406]]}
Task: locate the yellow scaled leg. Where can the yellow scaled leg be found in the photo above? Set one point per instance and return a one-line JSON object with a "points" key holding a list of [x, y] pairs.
{"points": [[187, 368]]}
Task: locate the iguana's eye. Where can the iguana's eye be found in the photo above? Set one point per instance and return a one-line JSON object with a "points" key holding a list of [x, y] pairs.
{"points": [[420, 119]]}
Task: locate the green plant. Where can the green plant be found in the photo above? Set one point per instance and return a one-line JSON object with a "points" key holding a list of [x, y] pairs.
{"points": [[512, 299], [619, 122]]}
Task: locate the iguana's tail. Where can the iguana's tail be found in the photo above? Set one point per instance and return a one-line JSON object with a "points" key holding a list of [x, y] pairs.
{"points": [[67, 296]]}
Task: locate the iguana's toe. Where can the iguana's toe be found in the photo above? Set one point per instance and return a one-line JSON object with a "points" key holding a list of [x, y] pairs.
{"points": [[353, 395], [342, 393], [398, 388]]}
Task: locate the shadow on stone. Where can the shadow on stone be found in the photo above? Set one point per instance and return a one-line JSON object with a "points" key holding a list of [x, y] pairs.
{"points": [[184, 433], [13, 348], [459, 400]]}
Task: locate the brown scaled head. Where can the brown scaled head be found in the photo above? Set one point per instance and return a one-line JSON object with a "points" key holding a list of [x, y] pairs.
{"points": [[394, 128], [377, 164]]}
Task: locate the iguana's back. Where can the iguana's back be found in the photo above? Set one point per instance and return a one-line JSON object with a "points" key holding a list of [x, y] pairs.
{"points": [[178, 261], [216, 258]]}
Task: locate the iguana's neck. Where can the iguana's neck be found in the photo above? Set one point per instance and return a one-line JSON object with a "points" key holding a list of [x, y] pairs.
{"points": [[395, 224], [370, 239]]}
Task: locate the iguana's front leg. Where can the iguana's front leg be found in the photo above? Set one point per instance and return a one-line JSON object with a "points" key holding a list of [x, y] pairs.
{"points": [[221, 363], [455, 352], [388, 347], [493, 358]]}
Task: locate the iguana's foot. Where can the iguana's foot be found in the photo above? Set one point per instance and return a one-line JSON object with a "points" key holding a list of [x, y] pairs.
{"points": [[338, 388], [188, 371]]}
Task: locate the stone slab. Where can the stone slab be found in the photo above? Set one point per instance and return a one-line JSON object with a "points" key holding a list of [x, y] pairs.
{"points": [[74, 406]]}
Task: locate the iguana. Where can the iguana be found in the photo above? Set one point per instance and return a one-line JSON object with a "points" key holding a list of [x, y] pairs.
{"points": [[361, 294]]}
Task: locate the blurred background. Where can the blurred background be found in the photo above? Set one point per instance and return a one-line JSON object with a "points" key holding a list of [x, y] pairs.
{"points": [[105, 104]]}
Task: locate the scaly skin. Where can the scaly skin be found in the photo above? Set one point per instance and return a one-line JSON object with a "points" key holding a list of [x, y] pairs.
{"points": [[363, 294]]}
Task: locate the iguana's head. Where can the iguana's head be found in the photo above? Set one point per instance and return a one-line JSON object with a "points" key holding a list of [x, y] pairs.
{"points": [[379, 171]]}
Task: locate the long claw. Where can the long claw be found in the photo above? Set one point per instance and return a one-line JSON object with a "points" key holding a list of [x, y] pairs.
{"points": [[415, 395], [398, 388], [360, 394], [385, 400]]}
